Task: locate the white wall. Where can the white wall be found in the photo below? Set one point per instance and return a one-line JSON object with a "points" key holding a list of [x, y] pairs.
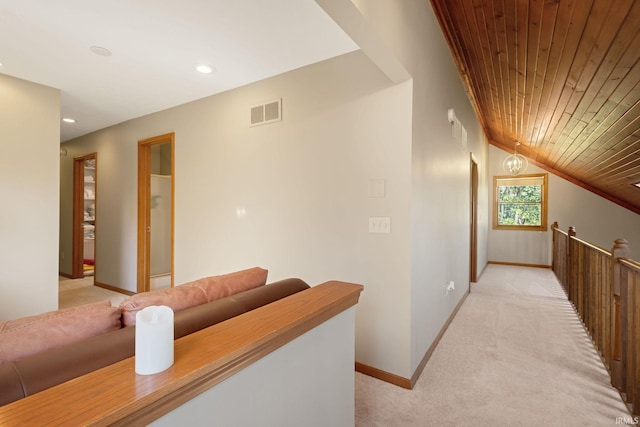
{"points": [[302, 184], [308, 382], [440, 169], [29, 176], [596, 220]]}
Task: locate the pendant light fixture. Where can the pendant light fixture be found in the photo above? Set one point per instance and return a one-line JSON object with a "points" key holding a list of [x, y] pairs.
{"points": [[515, 163]]}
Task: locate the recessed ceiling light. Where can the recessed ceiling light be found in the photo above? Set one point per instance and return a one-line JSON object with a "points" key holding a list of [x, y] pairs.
{"points": [[99, 50], [68, 120], [204, 69]]}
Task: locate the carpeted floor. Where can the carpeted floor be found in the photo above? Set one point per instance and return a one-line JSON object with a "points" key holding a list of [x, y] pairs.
{"points": [[74, 292], [515, 355]]}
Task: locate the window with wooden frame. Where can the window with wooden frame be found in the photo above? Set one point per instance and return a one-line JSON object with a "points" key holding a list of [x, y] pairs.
{"points": [[520, 202]]}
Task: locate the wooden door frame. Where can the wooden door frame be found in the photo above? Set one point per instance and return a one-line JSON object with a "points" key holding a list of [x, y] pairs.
{"points": [[77, 239], [144, 207], [473, 249]]}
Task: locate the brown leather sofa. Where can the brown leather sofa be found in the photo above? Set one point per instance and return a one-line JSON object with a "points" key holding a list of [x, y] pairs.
{"points": [[29, 375]]}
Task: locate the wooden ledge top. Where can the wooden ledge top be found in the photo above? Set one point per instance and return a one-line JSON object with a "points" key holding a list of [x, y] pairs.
{"points": [[116, 395], [592, 246], [634, 265]]}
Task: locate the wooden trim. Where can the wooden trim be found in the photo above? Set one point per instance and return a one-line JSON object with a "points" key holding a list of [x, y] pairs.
{"points": [[473, 250], [406, 382], [77, 236], [591, 246], [144, 215], [543, 205], [67, 275], [113, 288], [143, 218], [116, 395], [384, 375], [173, 205], [519, 264], [96, 224], [560, 231], [629, 263]]}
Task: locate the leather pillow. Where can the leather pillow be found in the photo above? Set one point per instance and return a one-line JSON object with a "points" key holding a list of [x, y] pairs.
{"points": [[34, 334], [216, 287], [194, 293], [177, 298]]}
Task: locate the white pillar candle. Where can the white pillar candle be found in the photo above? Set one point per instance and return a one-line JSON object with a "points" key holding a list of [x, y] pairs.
{"points": [[154, 339]]}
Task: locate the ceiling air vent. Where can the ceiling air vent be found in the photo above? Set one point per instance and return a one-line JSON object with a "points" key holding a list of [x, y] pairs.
{"points": [[266, 113]]}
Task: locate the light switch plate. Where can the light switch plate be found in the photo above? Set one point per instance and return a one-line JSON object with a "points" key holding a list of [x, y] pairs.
{"points": [[379, 224]]}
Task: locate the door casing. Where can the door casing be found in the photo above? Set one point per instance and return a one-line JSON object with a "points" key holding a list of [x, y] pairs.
{"points": [[473, 250], [77, 251], [144, 208]]}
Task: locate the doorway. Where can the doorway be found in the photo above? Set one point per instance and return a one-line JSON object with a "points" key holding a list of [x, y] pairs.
{"points": [[473, 255], [85, 192], [156, 187]]}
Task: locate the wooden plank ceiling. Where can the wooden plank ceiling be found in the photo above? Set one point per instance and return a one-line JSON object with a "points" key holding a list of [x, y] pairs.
{"points": [[560, 76]]}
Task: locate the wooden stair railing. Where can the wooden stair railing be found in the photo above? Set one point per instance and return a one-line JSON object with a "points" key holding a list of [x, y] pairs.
{"points": [[604, 288], [629, 277]]}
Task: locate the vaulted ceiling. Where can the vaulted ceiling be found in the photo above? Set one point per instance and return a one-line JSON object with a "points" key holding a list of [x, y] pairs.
{"points": [[560, 76]]}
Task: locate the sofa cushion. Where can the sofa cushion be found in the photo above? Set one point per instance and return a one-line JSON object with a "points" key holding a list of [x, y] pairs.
{"points": [[40, 371], [264, 295], [216, 287], [194, 293], [30, 335], [52, 367], [11, 387], [177, 298]]}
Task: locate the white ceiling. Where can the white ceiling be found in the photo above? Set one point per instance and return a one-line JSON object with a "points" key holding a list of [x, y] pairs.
{"points": [[155, 47]]}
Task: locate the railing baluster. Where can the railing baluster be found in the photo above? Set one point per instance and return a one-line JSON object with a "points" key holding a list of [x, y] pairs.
{"points": [[604, 288], [618, 374], [627, 331], [572, 264], [635, 338], [606, 297]]}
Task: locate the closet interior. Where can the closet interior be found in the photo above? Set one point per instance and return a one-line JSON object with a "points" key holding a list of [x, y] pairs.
{"points": [[89, 218]]}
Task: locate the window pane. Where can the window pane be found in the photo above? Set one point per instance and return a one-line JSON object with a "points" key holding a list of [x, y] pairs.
{"points": [[520, 193], [519, 214], [520, 202]]}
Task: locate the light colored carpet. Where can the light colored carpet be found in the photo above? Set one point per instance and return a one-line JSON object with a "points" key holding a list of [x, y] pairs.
{"points": [[516, 354], [74, 292]]}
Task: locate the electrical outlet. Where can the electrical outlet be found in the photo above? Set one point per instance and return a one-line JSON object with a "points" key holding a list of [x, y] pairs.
{"points": [[450, 286]]}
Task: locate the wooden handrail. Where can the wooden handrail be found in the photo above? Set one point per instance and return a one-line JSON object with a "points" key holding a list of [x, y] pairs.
{"points": [[604, 288], [591, 246], [634, 265], [555, 227], [116, 395]]}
